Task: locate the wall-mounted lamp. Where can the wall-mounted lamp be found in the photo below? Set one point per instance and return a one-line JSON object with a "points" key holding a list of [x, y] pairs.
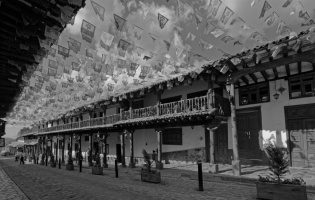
{"points": [[276, 96]]}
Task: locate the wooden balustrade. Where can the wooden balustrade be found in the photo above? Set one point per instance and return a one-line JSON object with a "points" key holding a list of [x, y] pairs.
{"points": [[193, 105]]}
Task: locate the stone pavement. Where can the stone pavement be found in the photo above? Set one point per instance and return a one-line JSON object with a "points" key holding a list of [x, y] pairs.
{"points": [[8, 189]]}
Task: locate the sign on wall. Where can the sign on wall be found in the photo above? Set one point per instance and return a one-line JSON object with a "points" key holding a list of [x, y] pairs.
{"points": [[2, 142]]}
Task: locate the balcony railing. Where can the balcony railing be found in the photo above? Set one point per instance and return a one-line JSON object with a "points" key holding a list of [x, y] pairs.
{"points": [[201, 104]]}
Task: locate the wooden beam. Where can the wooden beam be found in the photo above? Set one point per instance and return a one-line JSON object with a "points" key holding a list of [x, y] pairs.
{"points": [[265, 75], [275, 72], [299, 64], [287, 69], [245, 80], [253, 77], [307, 56]]}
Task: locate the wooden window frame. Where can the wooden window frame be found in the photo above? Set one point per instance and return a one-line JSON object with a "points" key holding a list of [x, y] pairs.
{"points": [[300, 77], [175, 131], [257, 89]]}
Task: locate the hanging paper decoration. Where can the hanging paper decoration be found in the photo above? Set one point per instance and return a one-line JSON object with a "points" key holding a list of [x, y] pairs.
{"points": [[144, 71], [137, 32], [75, 66], [213, 8], [139, 51], [63, 51], [66, 70], [121, 63], [209, 28], [146, 58], [90, 53], [309, 23], [133, 69], [153, 37], [87, 31], [52, 72], [74, 45], [254, 2], [162, 20], [179, 51], [264, 9], [119, 21], [52, 52], [98, 9], [103, 59], [296, 8], [237, 43], [109, 70], [280, 26], [122, 47], [51, 33], [110, 87], [52, 64], [182, 8], [106, 40], [217, 32], [145, 9], [227, 14], [167, 44], [271, 19], [202, 44], [178, 29], [227, 38], [236, 20], [190, 36], [255, 35], [39, 68], [287, 3], [198, 19], [98, 67], [304, 15]]}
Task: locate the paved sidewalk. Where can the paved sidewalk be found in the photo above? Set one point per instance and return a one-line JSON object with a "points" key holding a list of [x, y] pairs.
{"points": [[8, 189]]}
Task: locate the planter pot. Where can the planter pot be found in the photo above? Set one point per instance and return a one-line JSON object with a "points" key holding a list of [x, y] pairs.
{"points": [[97, 170], [280, 191], [53, 164], [151, 177], [70, 167]]}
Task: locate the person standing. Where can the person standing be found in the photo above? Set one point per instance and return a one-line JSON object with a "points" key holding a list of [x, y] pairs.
{"points": [[22, 158], [154, 155]]}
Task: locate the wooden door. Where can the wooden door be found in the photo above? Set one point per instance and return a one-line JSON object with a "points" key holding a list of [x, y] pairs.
{"points": [[253, 134], [296, 142], [221, 144], [309, 131], [243, 137]]}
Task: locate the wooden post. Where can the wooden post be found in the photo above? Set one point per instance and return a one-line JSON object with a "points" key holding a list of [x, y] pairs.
{"points": [[105, 165], [91, 148], [132, 163], [63, 149], [159, 164], [37, 150], [80, 155], [211, 131], [57, 148], [122, 142], [236, 166]]}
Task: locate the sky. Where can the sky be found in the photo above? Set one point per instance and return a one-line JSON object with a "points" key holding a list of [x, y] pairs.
{"points": [[158, 40]]}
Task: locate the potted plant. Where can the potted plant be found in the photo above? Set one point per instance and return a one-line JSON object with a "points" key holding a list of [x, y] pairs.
{"points": [[70, 165], [97, 169], [275, 186], [147, 174], [52, 161]]}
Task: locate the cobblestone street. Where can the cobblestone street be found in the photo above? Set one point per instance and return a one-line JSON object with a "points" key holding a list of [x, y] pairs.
{"points": [[41, 182]]}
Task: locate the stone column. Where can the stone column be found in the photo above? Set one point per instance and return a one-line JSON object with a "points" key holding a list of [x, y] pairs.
{"points": [[236, 166], [159, 164], [122, 142], [132, 163], [91, 148]]}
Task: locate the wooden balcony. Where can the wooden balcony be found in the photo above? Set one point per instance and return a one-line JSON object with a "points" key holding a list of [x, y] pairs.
{"points": [[209, 104]]}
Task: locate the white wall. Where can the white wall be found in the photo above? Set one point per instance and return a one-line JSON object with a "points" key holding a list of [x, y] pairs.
{"points": [[273, 114]]}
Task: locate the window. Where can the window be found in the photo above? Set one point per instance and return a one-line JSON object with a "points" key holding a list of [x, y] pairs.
{"points": [[95, 115], [254, 94], [86, 138], [136, 104], [302, 86], [172, 136], [171, 99], [101, 114]]}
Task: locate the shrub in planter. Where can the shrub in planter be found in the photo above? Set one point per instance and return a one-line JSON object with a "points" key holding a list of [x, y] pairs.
{"points": [[70, 165], [275, 186], [97, 169], [147, 174], [52, 161]]}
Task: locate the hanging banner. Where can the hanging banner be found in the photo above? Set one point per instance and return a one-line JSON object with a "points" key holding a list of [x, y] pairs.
{"points": [[110, 87], [75, 66], [271, 19], [254, 2], [133, 69], [213, 8], [280, 26], [236, 20], [198, 19], [98, 9], [167, 44], [145, 9], [296, 8], [162, 20], [227, 14], [237, 43], [153, 37], [304, 15], [178, 29], [72, 20], [52, 52], [255, 35], [63, 51], [182, 8], [52, 64], [217, 32], [51, 33], [137, 32], [87, 31], [121, 63], [309, 23], [119, 21], [209, 28], [202, 44], [52, 72], [139, 51], [109, 70], [90, 53], [179, 51], [98, 67], [287, 3], [74, 45], [264, 9], [144, 71], [122, 47], [106, 40], [39, 68], [103, 59], [227, 38], [190, 36]]}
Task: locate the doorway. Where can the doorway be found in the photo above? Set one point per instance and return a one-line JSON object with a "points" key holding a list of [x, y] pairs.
{"points": [[248, 128]]}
